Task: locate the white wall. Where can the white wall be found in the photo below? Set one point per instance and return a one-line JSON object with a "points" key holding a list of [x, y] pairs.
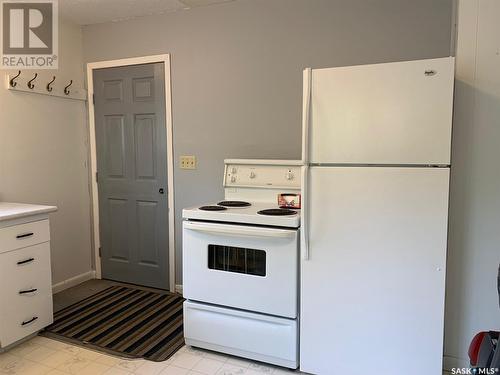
{"points": [[237, 70], [474, 242], [43, 156]]}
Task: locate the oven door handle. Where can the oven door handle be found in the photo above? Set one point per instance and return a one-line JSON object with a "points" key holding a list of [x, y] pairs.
{"points": [[239, 231]]}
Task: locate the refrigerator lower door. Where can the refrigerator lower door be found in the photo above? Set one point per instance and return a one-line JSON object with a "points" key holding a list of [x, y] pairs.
{"points": [[373, 286]]}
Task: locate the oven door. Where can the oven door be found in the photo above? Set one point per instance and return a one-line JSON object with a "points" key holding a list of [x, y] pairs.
{"points": [[246, 267]]}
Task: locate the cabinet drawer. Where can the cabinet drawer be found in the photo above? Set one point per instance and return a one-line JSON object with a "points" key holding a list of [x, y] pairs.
{"points": [[21, 269], [19, 324], [25, 282], [25, 273], [23, 235]]}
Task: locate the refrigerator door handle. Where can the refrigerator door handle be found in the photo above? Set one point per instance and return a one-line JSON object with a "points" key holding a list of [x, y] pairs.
{"points": [[304, 237], [306, 113]]}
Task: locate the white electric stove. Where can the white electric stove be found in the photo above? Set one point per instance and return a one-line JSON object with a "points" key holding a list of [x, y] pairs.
{"points": [[240, 265]]}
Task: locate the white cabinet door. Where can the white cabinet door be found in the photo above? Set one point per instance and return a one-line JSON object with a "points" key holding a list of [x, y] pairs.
{"points": [[372, 290], [394, 113]]}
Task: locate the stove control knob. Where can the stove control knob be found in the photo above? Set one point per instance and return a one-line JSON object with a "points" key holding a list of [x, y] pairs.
{"points": [[233, 179], [252, 174], [234, 170], [289, 175]]}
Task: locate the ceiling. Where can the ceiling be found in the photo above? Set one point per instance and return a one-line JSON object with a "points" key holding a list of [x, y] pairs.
{"points": [[87, 12]]}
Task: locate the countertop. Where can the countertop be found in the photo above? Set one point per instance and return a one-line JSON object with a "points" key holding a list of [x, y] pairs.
{"points": [[9, 211]]}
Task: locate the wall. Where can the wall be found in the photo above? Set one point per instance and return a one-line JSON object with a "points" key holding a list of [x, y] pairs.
{"points": [[43, 157], [474, 241], [237, 70]]}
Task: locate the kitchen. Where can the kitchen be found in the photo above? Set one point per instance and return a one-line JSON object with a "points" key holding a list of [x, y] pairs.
{"points": [[236, 71]]}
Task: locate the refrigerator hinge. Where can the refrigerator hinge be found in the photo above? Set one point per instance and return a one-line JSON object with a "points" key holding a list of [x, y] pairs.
{"points": [[97, 177], [100, 252]]}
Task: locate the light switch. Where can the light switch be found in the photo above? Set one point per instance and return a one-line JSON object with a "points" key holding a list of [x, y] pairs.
{"points": [[188, 162]]}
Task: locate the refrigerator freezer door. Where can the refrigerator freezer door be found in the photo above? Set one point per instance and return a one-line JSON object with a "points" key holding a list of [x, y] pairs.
{"points": [[372, 290], [394, 113]]}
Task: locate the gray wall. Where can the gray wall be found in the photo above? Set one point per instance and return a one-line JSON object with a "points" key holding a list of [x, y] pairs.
{"points": [[474, 241], [43, 157], [237, 70]]}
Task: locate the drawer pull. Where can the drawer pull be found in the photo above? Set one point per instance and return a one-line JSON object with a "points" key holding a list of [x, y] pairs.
{"points": [[25, 235], [28, 291], [29, 321], [25, 261]]}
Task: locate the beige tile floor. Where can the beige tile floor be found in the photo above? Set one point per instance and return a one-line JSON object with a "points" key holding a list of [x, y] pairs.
{"points": [[40, 355], [43, 356]]}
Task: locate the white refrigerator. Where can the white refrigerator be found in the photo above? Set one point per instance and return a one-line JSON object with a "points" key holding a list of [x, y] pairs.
{"points": [[376, 152]]}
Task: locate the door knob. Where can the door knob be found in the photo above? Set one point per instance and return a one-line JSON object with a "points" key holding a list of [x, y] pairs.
{"points": [[161, 191]]}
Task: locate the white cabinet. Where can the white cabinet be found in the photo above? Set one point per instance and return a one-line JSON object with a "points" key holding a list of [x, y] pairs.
{"points": [[25, 275]]}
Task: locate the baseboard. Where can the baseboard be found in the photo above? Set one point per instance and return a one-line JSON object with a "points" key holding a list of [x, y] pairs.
{"points": [[78, 279], [178, 288], [450, 363]]}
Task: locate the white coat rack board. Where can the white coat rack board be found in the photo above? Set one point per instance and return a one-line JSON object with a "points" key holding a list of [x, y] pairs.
{"points": [[49, 85]]}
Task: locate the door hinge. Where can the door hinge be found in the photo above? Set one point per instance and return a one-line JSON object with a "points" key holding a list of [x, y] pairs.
{"points": [[93, 98], [97, 177], [100, 252]]}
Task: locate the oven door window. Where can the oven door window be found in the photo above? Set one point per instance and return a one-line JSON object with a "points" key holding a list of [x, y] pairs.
{"points": [[237, 259]]}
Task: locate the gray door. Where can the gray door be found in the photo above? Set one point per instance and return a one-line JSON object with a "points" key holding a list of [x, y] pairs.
{"points": [[132, 173]]}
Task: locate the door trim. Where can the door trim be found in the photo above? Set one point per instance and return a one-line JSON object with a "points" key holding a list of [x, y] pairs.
{"points": [[165, 59]]}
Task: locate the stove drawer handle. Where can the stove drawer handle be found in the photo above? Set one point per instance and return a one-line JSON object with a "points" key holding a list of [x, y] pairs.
{"points": [[240, 231]]}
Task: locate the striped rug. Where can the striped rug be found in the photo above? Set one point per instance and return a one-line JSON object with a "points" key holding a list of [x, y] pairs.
{"points": [[123, 321]]}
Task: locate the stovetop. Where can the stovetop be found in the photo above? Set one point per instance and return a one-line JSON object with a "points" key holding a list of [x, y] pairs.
{"points": [[245, 215]]}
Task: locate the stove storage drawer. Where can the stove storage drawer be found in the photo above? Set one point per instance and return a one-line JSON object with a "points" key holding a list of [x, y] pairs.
{"points": [[247, 267], [256, 336]]}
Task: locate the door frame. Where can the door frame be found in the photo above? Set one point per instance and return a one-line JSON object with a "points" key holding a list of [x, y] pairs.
{"points": [[165, 59]]}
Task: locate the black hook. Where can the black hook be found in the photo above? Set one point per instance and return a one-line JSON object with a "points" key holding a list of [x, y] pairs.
{"points": [[12, 81], [30, 84], [66, 91], [49, 87]]}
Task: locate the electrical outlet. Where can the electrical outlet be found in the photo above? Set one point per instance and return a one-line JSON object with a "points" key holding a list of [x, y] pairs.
{"points": [[188, 162]]}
